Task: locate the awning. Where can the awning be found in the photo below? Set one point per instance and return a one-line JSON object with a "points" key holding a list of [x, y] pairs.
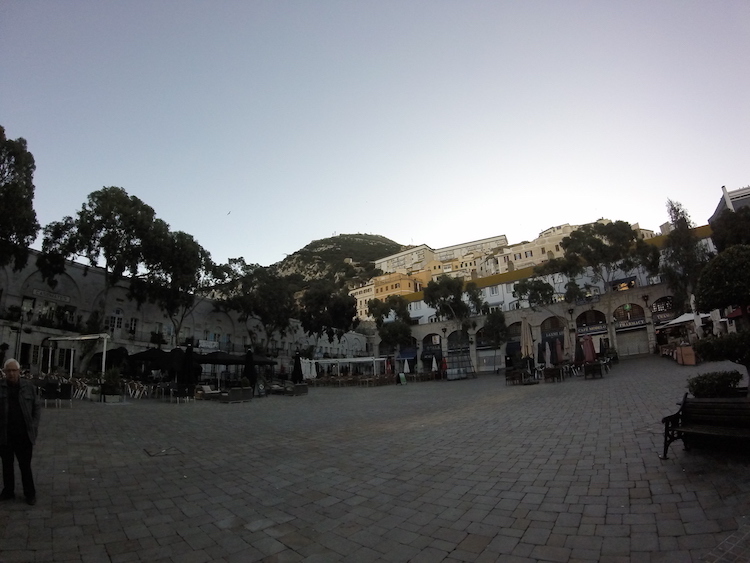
{"points": [[407, 354], [737, 313], [684, 319]]}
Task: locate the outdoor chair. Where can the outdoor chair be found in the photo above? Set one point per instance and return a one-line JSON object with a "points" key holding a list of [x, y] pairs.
{"points": [[49, 392], [65, 393]]}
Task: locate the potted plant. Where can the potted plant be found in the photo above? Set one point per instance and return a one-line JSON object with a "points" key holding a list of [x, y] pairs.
{"points": [[111, 385], [717, 384], [95, 394], [247, 390]]}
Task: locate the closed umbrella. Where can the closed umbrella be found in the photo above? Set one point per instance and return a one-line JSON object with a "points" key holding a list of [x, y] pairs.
{"points": [[249, 369], [547, 355], [589, 353], [579, 357], [434, 364], [527, 344], [297, 369], [406, 366], [559, 349]]}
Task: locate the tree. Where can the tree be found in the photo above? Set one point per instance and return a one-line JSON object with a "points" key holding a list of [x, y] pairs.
{"points": [[257, 292], [606, 250], [446, 296], [495, 330], [326, 309], [381, 310], [725, 281], [534, 290], [112, 230], [177, 277], [684, 256], [730, 228], [398, 331], [18, 227]]}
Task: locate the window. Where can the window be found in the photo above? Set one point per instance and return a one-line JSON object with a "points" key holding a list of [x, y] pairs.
{"points": [[516, 256], [528, 253], [132, 325], [494, 290], [557, 248], [506, 259], [543, 252]]}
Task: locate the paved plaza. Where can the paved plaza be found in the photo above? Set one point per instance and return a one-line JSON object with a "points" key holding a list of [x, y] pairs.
{"points": [[449, 471]]}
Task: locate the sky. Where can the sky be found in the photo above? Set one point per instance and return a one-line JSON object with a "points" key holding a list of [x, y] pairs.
{"points": [[259, 126]]}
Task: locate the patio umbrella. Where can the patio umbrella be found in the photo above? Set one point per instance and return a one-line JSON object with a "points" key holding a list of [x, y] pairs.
{"points": [[589, 353], [527, 344], [406, 366], [187, 366], [249, 369], [579, 357], [559, 349]]}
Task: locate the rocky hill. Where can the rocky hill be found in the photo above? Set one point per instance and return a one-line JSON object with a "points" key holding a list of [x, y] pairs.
{"points": [[327, 258]]}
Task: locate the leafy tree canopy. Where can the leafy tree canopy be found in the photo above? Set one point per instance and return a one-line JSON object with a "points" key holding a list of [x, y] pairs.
{"points": [[325, 309], [397, 333], [176, 277], [535, 290], [684, 256], [730, 228], [19, 226], [381, 310], [112, 230], [446, 296], [725, 281], [256, 292], [495, 328], [608, 249]]}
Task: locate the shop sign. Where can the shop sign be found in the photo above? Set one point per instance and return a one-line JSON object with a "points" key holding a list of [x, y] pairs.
{"points": [[663, 316], [49, 295], [554, 333], [208, 345], [591, 329], [619, 325]]}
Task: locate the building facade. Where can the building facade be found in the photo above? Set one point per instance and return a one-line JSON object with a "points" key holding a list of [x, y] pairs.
{"points": [[32, 313]]}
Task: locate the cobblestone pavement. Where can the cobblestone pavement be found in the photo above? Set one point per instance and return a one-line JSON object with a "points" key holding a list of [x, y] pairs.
{"points": [[470, 470]]}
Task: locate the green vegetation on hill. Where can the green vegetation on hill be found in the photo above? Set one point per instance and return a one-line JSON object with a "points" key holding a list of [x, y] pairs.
{"points": [[325, 258]]}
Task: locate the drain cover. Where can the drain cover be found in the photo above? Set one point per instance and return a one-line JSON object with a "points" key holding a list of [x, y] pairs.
{"points": [[157, 451]]}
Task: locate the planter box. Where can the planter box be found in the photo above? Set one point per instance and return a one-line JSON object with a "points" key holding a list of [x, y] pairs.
{"points": [[95, 397], [111, 398]]}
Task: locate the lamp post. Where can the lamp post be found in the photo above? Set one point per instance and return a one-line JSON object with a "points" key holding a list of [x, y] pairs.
{"points": [[26, 313]]}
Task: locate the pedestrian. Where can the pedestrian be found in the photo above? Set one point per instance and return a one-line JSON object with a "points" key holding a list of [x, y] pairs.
{"points": [[20, 411]]}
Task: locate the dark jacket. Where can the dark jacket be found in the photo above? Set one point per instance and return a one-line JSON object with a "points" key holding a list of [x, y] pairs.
{"points": [[31, 407]]}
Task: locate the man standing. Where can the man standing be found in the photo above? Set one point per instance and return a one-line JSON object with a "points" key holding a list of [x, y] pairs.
{"points": [[20, 411]]}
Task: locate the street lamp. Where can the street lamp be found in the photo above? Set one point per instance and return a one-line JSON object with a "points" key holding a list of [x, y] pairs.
{"points": [[26, 314]]}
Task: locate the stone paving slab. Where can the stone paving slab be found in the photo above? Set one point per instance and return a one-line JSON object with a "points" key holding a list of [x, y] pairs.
{"points": [[470, 470]]}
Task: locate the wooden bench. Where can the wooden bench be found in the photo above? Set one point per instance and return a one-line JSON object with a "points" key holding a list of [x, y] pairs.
{"points": [[718, 418]]}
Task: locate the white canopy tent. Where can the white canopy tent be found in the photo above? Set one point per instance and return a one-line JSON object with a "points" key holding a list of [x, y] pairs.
{"points": [[309, 372], [103, 336], [684, 319]]}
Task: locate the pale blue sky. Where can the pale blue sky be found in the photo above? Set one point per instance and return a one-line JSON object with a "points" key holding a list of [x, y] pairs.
{"points": [[260, 126]]}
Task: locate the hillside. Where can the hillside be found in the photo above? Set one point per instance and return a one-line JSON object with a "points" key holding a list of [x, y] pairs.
{"points": [[325, 258]]}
